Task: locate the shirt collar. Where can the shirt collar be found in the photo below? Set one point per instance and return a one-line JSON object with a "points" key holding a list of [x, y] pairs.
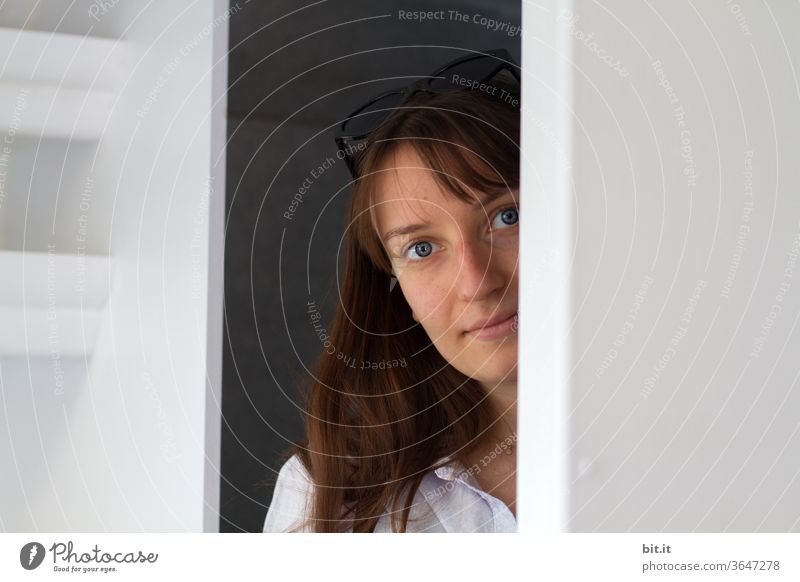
{"points": [[450, 471]]}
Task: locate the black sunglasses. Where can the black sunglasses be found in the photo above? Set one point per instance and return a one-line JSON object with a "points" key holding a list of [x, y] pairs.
{"points": [[467, 72]]}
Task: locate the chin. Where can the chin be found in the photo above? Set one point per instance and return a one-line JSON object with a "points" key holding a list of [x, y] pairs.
{"points": [[498, 366]]}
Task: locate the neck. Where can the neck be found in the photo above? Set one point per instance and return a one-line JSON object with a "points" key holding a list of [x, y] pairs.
{"points": [[503, 398]]}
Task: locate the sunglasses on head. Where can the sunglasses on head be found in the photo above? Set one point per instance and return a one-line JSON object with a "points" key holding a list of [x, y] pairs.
{"points": [[472, 71]]}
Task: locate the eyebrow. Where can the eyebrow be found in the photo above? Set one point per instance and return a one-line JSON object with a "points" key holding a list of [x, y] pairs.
{"points": [[416, 227]]}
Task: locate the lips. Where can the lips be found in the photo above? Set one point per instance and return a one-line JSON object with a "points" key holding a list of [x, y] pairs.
{"points": [[492, 321]]}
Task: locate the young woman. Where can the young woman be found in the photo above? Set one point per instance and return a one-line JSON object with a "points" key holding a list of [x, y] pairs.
{"points": [[411, 413]]}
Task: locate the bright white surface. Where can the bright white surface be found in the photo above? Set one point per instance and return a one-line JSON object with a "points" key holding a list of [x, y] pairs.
{"points": [[48, 58], [77, 280], [115, 438], [542, 476], [56, 85], [55, 112], [683, 375]]}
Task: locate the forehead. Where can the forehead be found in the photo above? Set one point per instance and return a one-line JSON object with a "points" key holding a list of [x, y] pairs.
{"points": [[406, 188]]}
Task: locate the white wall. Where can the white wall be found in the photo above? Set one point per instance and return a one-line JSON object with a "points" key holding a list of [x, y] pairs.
{"points": [[684, 402], [123, 442]]}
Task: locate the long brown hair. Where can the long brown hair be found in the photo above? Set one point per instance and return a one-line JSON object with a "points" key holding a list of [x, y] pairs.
{"points": [[372, 434]]}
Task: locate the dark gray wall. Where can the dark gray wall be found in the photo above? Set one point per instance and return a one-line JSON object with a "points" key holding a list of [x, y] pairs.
{"points": [[284, 61]]}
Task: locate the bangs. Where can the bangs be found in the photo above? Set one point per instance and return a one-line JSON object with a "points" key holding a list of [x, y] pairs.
{"points": [[461, 170]]}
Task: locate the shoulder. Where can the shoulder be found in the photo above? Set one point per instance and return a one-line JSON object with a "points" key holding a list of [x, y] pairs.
{"points": [[291, 499]]}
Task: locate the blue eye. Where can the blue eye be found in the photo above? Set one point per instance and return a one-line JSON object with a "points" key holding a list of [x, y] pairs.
{"points": [[509, 217], [423, 249]]}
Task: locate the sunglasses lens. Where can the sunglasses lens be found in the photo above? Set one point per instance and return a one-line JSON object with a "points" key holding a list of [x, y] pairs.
{"points": [[371, 116]]}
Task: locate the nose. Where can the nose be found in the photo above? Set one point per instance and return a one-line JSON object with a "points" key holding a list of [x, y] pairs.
{"points": [[478, 277]]}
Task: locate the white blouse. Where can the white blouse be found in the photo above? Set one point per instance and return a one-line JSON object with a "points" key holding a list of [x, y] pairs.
{"points": [[449, 500]]}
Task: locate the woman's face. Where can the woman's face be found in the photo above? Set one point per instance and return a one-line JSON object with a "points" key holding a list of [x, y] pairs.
{"points": [[457, 268]]}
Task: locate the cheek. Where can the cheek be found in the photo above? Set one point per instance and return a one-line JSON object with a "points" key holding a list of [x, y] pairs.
{"points": [[428, 302], [508, 260]]}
